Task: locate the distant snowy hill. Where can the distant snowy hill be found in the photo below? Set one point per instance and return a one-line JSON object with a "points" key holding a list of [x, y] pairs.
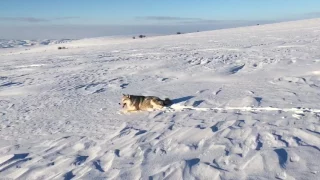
{"points": [[246, 106], [29, 43]]}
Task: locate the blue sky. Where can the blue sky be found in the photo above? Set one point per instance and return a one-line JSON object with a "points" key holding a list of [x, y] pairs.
{"points": [[116, 13]]}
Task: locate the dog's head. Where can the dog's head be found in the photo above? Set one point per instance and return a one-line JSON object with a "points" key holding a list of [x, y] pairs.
{"points": [[125, 100]]}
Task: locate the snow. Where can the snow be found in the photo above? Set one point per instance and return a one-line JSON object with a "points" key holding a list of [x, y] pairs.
{"points": [[246, 106], [5, 43]]}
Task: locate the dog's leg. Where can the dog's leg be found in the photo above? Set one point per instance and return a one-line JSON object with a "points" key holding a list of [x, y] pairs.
{"points": [[124, 111], [134, 110], [159, 107], [131, 110], [156, 105]]}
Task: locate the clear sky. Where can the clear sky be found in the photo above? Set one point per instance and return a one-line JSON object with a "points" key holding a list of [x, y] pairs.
{"points": [[157, 13]]}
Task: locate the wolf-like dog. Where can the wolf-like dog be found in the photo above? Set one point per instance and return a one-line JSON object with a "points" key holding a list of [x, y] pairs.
{"points": [[143, 103]]}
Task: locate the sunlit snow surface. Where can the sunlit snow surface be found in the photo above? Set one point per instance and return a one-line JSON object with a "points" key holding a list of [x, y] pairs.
{"points": [[246, 106]]}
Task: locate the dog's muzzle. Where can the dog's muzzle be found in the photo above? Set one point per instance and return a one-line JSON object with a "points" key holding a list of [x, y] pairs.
{"points": [[123, 105]]}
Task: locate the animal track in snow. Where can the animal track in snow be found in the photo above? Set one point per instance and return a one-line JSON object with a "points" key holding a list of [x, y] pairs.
{"points": [[179, 107]]}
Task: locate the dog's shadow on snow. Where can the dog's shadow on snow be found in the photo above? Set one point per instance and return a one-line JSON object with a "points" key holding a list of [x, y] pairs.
{"points": [[182, 99]]}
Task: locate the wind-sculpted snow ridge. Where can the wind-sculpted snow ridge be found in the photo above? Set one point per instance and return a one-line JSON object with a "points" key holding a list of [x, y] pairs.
{"points": [[245, 106]]}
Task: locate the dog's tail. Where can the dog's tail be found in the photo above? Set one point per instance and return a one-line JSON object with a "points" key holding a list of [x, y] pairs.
{"points": [[167, 102]]}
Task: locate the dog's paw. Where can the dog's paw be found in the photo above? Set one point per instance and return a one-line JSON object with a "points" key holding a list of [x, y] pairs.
{"points": [[122, 111]]}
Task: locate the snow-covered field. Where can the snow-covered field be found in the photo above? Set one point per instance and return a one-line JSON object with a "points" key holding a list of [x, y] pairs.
{"points": [[247, 106], [5, 43]]}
